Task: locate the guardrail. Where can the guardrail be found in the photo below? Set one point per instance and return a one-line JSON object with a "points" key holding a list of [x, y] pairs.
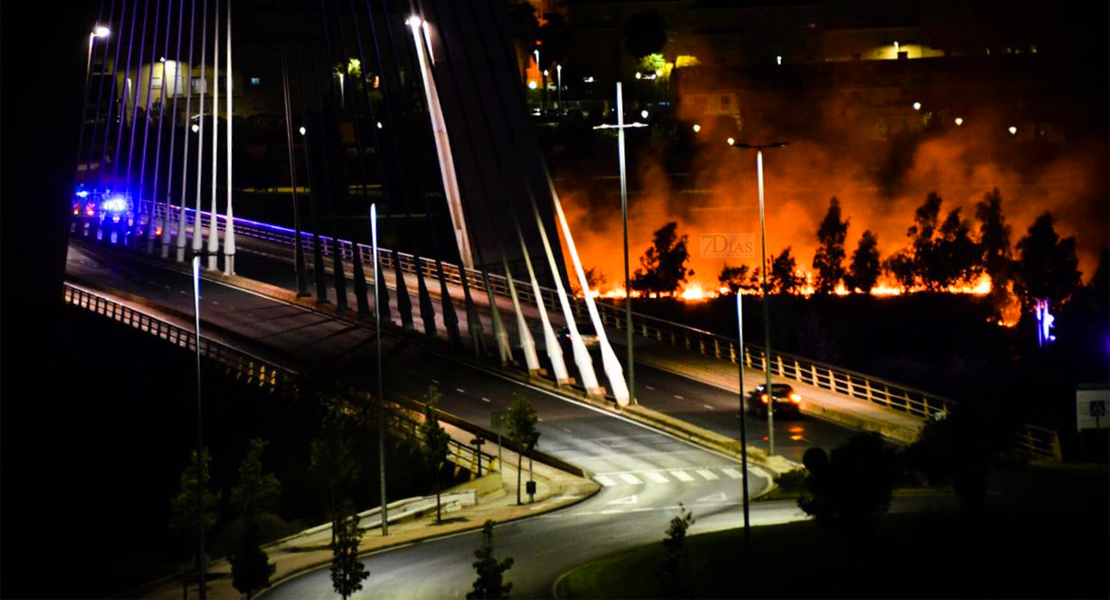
{"points": [[1034, 440], [404, 420]]}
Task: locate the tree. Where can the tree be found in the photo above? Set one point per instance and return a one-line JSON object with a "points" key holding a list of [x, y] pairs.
{"points": [[522, 419], [256, 493], [911, 266], [644, 34], [524, 30], [828, 261], [864, 271], [962, 448], [678, 573], [490, 584], [663, 265], [994, 241], [433, 442], [188, 516], [554, 41], [901, 267], [1047, 268], [850, 488], [332, 459], [957, 259], [737, 278], [784, 277], [347, 571]]}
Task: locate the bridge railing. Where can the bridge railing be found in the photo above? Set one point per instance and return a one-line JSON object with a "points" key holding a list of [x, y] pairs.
{"points": [[253, 370], [1037, 441]]}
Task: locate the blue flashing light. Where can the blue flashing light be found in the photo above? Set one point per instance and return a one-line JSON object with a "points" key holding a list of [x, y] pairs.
{"points": [[83, 194], [1045, 322], [116, 204]]}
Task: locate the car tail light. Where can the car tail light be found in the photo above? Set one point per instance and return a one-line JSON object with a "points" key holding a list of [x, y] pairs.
{"points": [[795, 398], [763, 397], [158, 231]]}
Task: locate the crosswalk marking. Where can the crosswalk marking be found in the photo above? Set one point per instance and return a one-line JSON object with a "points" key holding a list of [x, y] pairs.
{"points": [[682, 476], [630, 478], [657, 477], [709, 475], [605, 481], [733, 473]]}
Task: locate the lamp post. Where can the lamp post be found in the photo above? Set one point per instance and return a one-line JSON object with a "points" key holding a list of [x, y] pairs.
{"points": [[743, 425], [99, 31], [381, 398], [620, 127], [200, 429], [766, 292], [559, 84]]}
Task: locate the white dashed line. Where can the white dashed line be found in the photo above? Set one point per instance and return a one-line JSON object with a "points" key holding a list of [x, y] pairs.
{"points": [[681, 476], [484, 399], [611, 512], [630, 478], [733, 473], [679, 397], [707, 406], [435, 381], [460, 390], [650, 388], [707, 474], [657, 477], [605, 481]]}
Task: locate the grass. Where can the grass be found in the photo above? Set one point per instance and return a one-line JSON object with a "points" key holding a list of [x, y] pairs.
{"points": [[1041, 554]]}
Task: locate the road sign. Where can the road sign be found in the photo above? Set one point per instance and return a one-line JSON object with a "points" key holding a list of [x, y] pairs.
{"points": [[1090, 407]]}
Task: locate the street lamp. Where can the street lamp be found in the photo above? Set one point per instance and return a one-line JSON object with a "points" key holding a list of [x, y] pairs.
{"points": [[620, 127], [766, 291], [743, 425], [378, 335], [200, 430], [559, 83]]}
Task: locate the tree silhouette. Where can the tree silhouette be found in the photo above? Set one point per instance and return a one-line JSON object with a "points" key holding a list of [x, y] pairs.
{"points": [[737, 278], [554, 41], [524, 30], [185, 511], [490, 584], [828, 261], [956, 258], [663, 265], [522, 419], [994, 240], [850, 488], [347, 571], [644, 34], [864, 271], [255, 494], [679, 571], [332, 459], [1047, 268], [433, 442], [784, 277]]}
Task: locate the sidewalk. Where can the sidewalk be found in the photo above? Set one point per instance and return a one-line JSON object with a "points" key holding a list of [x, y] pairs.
{"points": [[493, 499]]}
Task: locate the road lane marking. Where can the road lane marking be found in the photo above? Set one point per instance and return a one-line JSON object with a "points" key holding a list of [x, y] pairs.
{"points": [[733, 473], [707, 474], [657, 477], [629, 500], [484, 399], [707, 406], [460, 390], [718, 497], [682, 476], [679, 397], [650, 388], [435, 381], [630, 478], [611, 512], [605, 481]]}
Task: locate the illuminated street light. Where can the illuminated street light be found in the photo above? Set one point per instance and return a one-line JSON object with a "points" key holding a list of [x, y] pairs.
{"points": [[778, 59], [559, 83], [195, 128], [697, 128], [644, 114], [302, 130], [766, 291], [638, 75], [532, 85], [659, 72], [101, 31], [959, 121], [917, 106], [414, 22], [1013, 130], [731, 142]]}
